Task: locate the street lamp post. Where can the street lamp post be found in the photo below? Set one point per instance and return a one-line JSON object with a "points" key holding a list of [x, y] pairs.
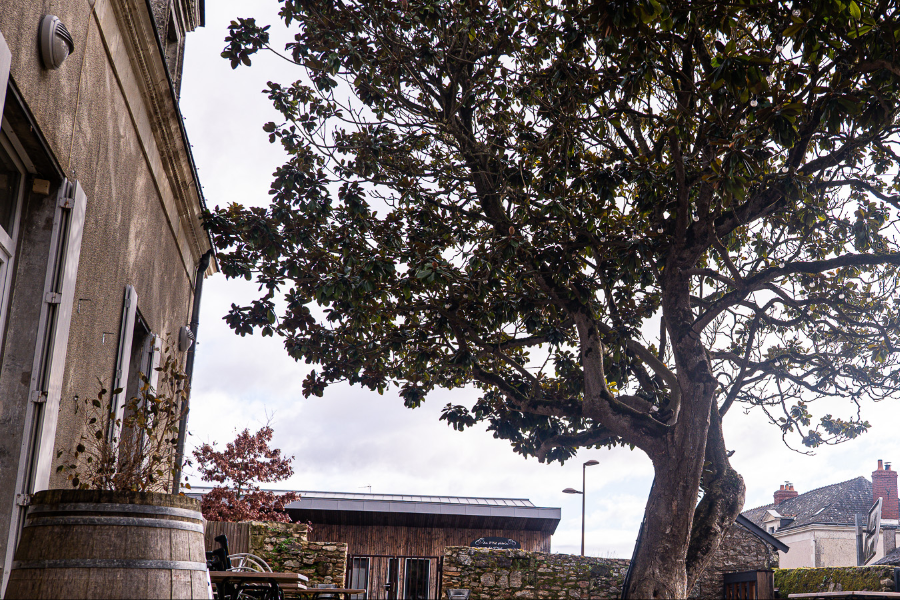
{"points": [[583, 493]]}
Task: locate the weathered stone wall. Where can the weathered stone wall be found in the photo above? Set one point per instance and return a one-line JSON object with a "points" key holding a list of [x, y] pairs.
{"points": [[834, 579], [285, 548], [512, 574], [740, 551]]}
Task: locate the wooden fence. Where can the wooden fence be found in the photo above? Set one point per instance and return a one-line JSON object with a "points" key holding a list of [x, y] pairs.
{"points": [[238, 535]]}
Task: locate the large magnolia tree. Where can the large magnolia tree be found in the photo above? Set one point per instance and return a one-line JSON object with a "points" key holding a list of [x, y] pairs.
{"points": [[618, 220]]}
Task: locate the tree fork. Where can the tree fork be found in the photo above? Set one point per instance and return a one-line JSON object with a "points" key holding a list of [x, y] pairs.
{"points": [[669, 514], [723, 498]]}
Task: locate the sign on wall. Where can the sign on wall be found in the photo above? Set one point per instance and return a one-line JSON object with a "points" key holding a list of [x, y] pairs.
{"points": [[496, 542], [873, 524]]}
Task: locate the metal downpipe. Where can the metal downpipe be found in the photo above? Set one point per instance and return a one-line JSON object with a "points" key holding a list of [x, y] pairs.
{"points": [[189, 368]]}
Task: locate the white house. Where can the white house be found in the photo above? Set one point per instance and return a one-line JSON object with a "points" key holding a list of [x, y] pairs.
{"points": [[819, 525]]}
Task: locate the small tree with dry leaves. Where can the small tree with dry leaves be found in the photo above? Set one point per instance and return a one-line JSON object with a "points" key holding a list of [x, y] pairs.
{"points": [[245, 462], [131, 451]]}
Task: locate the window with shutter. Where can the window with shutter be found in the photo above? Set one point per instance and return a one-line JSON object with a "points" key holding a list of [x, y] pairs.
{"points": [[12, 175], [150, 359], [51, 342], [56, 317], [123, 360], [12, 184], [138, 355]]}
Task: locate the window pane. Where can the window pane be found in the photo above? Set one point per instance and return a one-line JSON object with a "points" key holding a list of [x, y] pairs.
{"points": [[359, 575], [10, 178], [416, 584]]}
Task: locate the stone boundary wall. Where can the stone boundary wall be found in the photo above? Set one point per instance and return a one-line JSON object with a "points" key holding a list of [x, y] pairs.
{"points": [[513, 574], [285, 547], [834, 579]]}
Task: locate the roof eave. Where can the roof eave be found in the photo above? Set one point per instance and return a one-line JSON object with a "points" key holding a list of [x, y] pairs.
{"points": [[762, 533]]}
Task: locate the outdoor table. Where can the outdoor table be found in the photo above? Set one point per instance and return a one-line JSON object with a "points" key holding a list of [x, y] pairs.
{"points": [[315, 592], [846, 594], [231, 583]]}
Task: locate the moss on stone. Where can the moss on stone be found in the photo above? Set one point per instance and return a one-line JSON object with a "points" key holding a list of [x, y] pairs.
{"points": [[825, 579]]}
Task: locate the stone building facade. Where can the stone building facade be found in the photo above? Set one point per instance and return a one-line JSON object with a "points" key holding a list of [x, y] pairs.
{"points": [[739, 551], [101, 241]]}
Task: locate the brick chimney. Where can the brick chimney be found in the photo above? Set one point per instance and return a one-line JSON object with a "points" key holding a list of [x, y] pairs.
{"points": [[884, 485], [786, 492]]}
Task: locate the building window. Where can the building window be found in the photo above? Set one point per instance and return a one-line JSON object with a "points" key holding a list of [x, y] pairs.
{"points": [[12, 184], [359, 575], [416, 581], [174, 48]]}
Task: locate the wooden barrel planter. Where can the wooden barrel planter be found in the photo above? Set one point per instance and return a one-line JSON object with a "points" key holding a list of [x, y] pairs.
{"points": [[95, 544]]}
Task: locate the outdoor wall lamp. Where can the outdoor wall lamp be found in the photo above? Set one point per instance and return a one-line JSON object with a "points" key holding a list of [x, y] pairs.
{"points": [[584, 467], [56, 42], [185, 338]]}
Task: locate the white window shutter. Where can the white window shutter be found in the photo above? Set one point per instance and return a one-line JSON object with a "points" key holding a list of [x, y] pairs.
{"points": [[123, 362], [5, 62], [59, 298]]}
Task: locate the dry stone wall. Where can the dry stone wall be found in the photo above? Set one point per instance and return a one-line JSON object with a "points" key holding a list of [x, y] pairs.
{"points": [[285, 547], [513, 574]]}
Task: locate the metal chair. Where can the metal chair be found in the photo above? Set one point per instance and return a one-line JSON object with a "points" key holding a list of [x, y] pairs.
{"points": [[245, 562]]}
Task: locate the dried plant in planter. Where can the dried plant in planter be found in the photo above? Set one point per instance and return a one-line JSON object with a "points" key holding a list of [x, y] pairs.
{"points": [[133, 452]]}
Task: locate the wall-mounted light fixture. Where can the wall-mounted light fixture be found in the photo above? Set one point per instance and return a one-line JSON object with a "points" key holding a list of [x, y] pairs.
{"points": [[56, 42], [185, 338]]}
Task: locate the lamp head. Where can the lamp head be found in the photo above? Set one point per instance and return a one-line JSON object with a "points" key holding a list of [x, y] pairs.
{"points": [[571, 491], [55, 41], [591, 463]]}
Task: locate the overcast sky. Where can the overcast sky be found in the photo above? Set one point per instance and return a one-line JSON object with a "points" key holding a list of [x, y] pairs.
{"points": [[351, 438]]}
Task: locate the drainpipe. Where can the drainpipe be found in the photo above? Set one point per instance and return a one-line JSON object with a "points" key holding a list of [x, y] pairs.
{"points": [[189, 367]]}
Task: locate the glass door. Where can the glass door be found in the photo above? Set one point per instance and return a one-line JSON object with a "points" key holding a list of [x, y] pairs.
{"points": [[415, 585], [359, 576], [393, 586]]}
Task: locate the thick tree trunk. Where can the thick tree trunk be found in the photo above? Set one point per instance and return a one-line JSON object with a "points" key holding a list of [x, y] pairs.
{"points": [[659, 569], [663, 562], [679, 534]]}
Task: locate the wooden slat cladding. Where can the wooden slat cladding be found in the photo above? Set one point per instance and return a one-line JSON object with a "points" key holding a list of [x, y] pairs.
{"points": [[418, 541], [238, 536]]}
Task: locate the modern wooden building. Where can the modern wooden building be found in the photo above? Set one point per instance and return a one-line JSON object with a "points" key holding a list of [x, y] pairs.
{"points": [[396, 542]]}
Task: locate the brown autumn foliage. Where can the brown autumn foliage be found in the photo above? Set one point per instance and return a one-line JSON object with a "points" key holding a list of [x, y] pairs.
{"points": [[245, 463]]}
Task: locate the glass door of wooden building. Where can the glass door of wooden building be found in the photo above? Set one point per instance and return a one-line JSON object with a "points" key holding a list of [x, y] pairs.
{"points": [[417, 578], [395, 577]]}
